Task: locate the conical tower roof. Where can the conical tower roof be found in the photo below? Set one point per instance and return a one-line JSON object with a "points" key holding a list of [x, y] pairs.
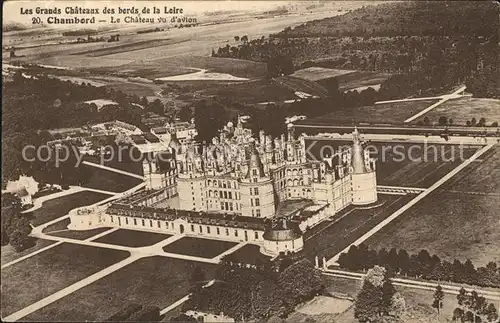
{"points": [[357, 158]]}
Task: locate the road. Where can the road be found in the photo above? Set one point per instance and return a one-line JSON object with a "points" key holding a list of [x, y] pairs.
{"points": [[414, 201]]}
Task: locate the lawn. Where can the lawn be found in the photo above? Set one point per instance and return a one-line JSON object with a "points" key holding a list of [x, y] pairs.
{"points": [[198, 247], [459, 221], [133, 238], [386, 113], [125, 163], [155, 281], [248, 254], [464, 109], [60, 206], [78, 235], [404, 164], [340, 234], [109, 181], [46, 273], [9, 254]]}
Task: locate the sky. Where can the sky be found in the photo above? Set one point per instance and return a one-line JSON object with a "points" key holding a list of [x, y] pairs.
{"points": [[12, 8]]}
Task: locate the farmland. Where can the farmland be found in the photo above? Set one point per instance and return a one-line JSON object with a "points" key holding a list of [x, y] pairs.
{"points": [[459, 221], [464, 109], [155, 281]]}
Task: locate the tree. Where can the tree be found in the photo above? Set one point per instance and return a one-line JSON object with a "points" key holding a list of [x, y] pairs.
{"points": [[442, 121], [491, 313], [368, 305], [236, 38], [438, 299], [426, 121], [185, 114]]}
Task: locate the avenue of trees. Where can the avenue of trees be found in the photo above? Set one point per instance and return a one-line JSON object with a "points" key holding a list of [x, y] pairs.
{"points": [[421, 265], [258, 292]]}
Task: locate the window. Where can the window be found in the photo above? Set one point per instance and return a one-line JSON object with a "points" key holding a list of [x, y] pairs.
{"points": [[224, 185], [253, 212], [230, 206], [201, 229], [257, 212], [226, 205], [250, 190], [251, 202], [192, 228], [256, 235], [225, 194], [235, 233], [246, 235], [143, 223], [255, 180], [254, 172], [126, 221], [227, 231], [111, 218], [218, 231], [256, 191], [208, 229], [166, 224], [230, 195], [257, 202], [151, 223], [222, 205], [158, 224]]}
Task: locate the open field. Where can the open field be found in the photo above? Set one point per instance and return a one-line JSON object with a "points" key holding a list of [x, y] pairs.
{"points": [[340, 234], [387, 113], [60, 206], [205, 248], [459, 221], [46, 273], [319, 73], [8, 254], [405, 164], [164, 67], [464, 109], [133, 238], [154, 281], [358, 79]]}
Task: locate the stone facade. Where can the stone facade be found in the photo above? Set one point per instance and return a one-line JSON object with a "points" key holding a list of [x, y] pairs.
{"points": [[238, 188]]}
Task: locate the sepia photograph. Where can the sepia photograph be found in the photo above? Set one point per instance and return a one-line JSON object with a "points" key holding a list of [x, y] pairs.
{"points": [[302, 161]]}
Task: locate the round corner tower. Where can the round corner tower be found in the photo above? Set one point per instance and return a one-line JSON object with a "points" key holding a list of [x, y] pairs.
{"points": [[364, 179]]}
